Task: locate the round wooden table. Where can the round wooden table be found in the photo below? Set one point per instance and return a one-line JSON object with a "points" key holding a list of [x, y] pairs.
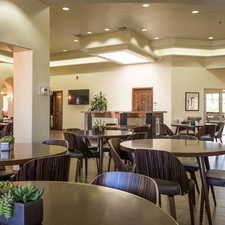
{"points": [[23, 152], [182, 148], [101, 137], [73, 203]]}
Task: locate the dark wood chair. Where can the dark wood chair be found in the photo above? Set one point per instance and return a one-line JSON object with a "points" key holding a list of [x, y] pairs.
{"points": [[7, 130], [143, 131], [219, 132], [165, 130], [136, 184], [207, 132], [169, 174], [114, 146], [53, 168]]}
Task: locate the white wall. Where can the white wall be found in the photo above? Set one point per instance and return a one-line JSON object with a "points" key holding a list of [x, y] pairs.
{"points": [[116, 83], [25, 23], [190, 75]]}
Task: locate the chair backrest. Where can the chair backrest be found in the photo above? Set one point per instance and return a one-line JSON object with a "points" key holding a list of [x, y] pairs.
{"points": [[55, 142], [71, 141], [136, 184], [141, 132], [208, 129], [82, 146], [165, 130], [114, 145], [161, 165], [53, 168], [182, 137], [7, 130]]}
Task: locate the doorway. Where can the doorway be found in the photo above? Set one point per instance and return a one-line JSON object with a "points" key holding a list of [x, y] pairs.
{"points": [[142, 99], [56, 110]]}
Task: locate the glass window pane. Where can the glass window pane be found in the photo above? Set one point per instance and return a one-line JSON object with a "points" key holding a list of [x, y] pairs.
{"points": [[223, 102], [212, 102]]}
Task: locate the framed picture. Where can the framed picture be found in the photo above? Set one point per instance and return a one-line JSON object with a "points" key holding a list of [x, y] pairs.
{"points": [[191, 101]]}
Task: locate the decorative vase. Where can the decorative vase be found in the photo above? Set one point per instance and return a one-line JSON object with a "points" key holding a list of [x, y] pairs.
{"points": [[30, 213]]}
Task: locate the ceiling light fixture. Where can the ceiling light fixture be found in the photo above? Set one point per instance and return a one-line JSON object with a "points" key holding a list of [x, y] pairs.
{"points": [[145, 5], [89, 32], [107, 29], [195, 12], [66, 8], [210, 38], [76, 40], [77, 61], [65, 50], [144, 29], [125, 57], [156, 38]]}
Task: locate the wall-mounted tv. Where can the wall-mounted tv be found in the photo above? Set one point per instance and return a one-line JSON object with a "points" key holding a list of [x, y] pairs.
{"points": [[78, 97]]}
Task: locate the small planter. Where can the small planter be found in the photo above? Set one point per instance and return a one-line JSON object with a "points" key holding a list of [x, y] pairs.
{"points": [[30, 213], [5, 146]]}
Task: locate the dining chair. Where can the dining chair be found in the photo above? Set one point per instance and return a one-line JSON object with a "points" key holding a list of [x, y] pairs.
{"points": [[55, 142], [165, 130], [52, 168], [7, 130], [207, 132], [169, 174], [219, 132], [118, 162], [190, 165], [133, 183], [143, 131]]}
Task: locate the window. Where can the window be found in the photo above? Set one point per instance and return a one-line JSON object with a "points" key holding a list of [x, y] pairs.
{"points": [[214, 101], [5, 103]]}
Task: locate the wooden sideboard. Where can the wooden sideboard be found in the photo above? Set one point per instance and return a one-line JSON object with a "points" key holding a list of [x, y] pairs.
{"points": [[126, 120]]}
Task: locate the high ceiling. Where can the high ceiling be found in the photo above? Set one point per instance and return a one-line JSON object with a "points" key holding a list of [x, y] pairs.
{"points": [[162, 20]]}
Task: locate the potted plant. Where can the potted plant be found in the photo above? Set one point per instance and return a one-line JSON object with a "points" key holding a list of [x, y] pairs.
{"points": [[20, 205], [99, 103], [99, 127], [6, 143]]}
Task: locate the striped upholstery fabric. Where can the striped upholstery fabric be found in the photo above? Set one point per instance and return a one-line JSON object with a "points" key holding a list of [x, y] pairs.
{"points": [[114, 144], [137, 184], [54, 168], [162, 165]]}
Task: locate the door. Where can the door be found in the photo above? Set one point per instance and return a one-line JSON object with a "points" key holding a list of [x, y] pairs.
{"points": [[142, 99], [56, 110]]}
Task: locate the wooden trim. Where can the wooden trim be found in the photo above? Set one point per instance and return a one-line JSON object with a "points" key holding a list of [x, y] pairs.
{"points": [[61, 92], [141, 88]]}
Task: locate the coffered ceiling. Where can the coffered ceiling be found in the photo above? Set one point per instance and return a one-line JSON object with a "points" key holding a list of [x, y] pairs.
{"points": [[162, 20]]}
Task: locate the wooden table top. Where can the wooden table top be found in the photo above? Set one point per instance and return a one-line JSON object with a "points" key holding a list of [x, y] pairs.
{"points": [[73, 203], [183, 148], [106, 134], [23, 152]]}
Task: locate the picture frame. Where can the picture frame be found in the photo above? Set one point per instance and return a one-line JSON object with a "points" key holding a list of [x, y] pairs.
{"points": [[191, 101]]}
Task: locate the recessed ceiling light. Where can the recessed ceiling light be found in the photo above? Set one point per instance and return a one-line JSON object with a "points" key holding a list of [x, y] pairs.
{"points": [[195, 12], [145, 5], [144, 29], [107, 29], [156, 38], [66, 8], [65, 50], [76, 40], [89, 32], [210, 38]]}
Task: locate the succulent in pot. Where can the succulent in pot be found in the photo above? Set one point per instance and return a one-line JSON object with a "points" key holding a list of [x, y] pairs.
{"points": [[6, 142], [99, 127]]}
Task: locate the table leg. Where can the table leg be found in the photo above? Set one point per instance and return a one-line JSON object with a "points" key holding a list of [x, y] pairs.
{"points": [[205, 192], [176, 132], [100, 147]]}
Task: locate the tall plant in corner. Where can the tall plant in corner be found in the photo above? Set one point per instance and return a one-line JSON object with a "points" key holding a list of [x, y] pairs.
{"points": [[99, 103]]}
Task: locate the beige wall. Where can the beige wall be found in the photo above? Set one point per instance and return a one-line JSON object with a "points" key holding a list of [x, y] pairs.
{"points": [[190, 74], [116, 83], [25, 23]]}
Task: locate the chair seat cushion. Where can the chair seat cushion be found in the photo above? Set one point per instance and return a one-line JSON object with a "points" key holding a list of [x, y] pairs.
{"points": [[216, 177], [206, 138], [168, 187]]}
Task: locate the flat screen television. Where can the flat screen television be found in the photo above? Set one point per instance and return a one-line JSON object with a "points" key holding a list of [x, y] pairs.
{"points": [[78, 97]]}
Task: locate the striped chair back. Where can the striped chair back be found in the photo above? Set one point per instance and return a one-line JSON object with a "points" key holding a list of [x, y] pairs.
{"points": [[161, 165], [136, 184], [54, 168]]}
